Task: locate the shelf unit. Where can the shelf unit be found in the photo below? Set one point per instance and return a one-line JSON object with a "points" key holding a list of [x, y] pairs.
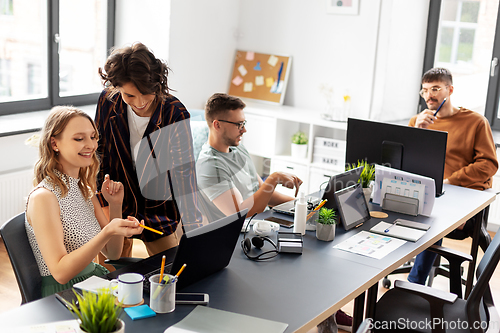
{"points": [[268, 138]]}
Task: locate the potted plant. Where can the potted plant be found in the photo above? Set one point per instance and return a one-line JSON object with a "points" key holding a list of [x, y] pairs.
{"points": [[325, 224], [299, 145], [98, 313], [366, 177]]}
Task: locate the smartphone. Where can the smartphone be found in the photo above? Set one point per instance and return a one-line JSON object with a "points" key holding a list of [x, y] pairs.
{"points": [[282, 222], [66, 297], [191, 298]]}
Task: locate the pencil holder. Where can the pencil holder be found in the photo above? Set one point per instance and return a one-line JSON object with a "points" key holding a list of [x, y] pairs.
{"points": [[311, 218]]}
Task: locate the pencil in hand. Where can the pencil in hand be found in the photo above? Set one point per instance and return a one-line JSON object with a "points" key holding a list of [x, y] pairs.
{"points": [[150, 229]]}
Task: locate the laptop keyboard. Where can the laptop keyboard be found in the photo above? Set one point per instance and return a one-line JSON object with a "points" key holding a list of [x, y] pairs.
{"points": [[146, 284]]}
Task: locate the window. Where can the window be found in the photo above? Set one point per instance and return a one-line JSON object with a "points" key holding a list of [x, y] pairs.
{"points": [[54, 48]]}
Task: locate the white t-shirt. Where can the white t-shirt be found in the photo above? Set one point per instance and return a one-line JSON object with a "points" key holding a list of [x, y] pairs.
{"points": [[137, 126]]}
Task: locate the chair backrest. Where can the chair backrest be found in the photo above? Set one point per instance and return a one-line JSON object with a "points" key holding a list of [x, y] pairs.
{"points": [[22, 259], [366, 326], [481, 293]]}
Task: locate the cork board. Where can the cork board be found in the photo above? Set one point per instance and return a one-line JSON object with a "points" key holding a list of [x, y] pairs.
{"points": [[260, 76]]}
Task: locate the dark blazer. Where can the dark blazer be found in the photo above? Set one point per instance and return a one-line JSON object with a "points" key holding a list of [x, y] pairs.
{"points": [[148, 195]]}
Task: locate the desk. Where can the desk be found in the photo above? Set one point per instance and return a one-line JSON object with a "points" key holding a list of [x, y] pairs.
{"points": [[301, 290]]}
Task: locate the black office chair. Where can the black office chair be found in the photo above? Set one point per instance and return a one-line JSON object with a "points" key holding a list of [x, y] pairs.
{"points": [[366, 326], [412, 303], [483, 239], [22, 259]]}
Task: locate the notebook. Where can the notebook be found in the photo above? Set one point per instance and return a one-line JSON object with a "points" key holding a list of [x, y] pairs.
{"points": [[205, 250], [407, 230], [335, 184]]}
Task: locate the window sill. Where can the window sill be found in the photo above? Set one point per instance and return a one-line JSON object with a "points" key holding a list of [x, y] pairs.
{"points": [[29, 122]]}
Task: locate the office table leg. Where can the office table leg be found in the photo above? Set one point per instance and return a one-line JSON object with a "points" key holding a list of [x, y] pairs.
{"points": [[359, 307], [371, 301]]}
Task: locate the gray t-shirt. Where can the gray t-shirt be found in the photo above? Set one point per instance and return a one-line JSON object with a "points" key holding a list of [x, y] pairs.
{"points": [[218, 172]]}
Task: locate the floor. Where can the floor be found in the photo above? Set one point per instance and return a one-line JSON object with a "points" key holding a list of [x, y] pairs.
{"points": [[10, 297]]}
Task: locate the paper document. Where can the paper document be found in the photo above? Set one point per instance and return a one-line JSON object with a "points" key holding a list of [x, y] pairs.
{"points": [[93, 283], [398, 231], [69, 326], [370, 245], [208, 320], [382, 172]]}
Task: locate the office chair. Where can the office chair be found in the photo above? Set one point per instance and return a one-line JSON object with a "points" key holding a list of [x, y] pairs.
{"points": [[412, 303], [480, 238], [22, 259], [366, 326]]}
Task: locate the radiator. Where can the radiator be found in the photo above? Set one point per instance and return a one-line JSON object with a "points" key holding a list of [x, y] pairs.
{"points": [[14, 188]]}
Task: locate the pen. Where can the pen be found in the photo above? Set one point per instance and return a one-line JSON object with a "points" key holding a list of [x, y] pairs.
{"points": [[315, 209], [439, 108], [392, 225], [150, 229], [279, 76], [162, 267]]}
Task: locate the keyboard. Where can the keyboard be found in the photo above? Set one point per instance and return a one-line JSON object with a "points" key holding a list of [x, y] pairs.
{"points": [[146, 284]]}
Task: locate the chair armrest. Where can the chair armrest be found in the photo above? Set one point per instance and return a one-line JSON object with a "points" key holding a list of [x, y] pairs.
{"points": [[436, 298], [450, 254], [428, 293], [122, 262]]}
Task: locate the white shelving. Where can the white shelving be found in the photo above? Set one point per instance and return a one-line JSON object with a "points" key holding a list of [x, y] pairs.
{"points": [[269, 132]]}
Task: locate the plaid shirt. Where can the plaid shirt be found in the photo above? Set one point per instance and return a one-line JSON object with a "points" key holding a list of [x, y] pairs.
{"points": [[116, 160]]}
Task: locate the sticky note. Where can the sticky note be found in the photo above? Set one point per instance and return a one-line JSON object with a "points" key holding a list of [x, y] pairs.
{"points": [[247, 87], [139, 312], [259, 80], [269, 82], [257, 67], [250, 56], [242, 70], [273, 60], [237, 80]]}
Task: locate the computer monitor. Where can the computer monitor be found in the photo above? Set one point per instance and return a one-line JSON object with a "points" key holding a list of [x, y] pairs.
{"points": [[415, 150]]}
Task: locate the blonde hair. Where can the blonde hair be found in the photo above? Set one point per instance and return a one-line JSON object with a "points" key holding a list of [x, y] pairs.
{"points": [[54, 125]]}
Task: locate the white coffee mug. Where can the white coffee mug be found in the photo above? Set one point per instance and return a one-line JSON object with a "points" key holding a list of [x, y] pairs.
{"points": [[129, 288]]}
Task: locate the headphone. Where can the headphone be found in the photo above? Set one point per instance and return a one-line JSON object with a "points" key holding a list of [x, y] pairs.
{"points": [[258, 242]]}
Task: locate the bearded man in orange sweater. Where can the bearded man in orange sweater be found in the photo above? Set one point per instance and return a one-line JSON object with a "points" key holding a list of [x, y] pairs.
{"points": [[471, 159]]}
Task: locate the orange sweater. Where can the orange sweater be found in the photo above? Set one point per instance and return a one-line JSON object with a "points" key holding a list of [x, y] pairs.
{"points": [[471, 159]]}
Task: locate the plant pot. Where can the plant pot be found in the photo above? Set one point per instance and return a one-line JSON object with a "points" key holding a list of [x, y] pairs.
{"points": [[299, 151], [368, 193], [325, 232], [120, 328]]}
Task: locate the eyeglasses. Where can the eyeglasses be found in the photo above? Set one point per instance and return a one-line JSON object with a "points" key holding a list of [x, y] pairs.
{"points": [[240, 124], [433, 91]]}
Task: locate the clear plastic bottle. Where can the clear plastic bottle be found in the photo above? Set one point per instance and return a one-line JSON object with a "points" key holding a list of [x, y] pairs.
{"points": [[299, 217]]}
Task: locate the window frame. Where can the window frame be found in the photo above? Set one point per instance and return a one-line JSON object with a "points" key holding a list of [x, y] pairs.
{"points": [[53, 98]]}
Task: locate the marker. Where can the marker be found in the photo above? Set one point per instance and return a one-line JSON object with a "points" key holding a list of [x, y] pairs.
{"points": [[150, 229], [439, 108], [160, 286]]}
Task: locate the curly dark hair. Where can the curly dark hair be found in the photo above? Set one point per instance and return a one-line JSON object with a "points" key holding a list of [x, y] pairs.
{"points": [[138, 65]]}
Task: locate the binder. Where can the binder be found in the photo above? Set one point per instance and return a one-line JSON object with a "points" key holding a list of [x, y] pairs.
{"points": [[407, 230]]}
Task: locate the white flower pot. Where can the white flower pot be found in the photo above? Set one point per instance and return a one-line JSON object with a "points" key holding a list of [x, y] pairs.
{"points": [[119, 329], [325, 232], [299, 151]]}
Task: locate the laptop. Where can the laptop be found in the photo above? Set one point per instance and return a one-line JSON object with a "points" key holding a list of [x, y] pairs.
{"points": [[336, 183], [205, 250]]}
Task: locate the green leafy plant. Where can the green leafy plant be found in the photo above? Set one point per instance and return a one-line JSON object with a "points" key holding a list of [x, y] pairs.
{"points": [[367, 175], [299, 138], [327, 216], [97, 313]]}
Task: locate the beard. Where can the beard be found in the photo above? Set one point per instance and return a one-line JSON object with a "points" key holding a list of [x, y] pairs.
{"points": [[231, 141]]}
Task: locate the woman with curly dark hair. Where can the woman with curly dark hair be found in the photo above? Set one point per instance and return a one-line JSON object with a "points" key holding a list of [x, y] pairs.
{"points": [[140, 122]]}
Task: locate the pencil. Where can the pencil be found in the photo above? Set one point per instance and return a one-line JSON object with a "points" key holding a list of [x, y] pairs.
{"points": [[162, 267], [150, 229], [180, 270]]}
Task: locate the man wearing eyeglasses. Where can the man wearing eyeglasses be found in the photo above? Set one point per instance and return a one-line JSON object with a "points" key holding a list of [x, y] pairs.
{"points": [[471, 159], [224, 168]]}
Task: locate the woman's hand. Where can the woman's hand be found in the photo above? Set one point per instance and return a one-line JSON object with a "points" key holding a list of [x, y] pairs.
{"points": [[125, 227], [112, 191]]}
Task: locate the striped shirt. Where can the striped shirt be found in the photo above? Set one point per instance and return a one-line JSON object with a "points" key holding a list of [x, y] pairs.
{"points": [[148, 194]]}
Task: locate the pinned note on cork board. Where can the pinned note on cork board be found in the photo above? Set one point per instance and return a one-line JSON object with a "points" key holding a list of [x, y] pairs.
{"points": [[260, 76]]}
